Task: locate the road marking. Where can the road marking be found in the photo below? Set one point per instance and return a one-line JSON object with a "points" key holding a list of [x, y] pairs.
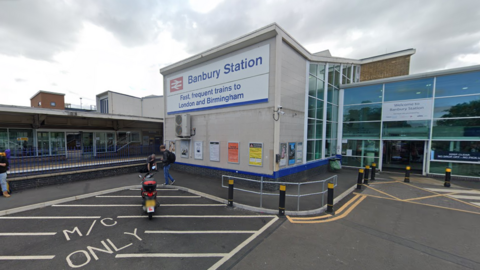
{"points": [[199, 216], [465, 197], [476, 203], [138, 196], [426, 197], [328, 215], [8, 258], [68, 217], [374, 183], [198, 232], [357, 202], [431, 205], [159, 189], [132, 205], [449, 190], [27, 234], [382, 192], [242, 245], [97, 205], [171, 255], [463, 191]]}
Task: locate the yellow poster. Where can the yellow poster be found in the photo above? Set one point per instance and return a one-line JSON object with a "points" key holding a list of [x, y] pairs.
{"points": [[255, 154]]}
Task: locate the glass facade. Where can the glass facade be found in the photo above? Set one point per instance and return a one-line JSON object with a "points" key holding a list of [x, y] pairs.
{"points": [[448, 129], [324, 84]]}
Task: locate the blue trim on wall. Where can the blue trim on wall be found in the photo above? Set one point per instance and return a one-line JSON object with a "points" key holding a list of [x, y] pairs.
{"points": [[222, 106], [277, 174]]}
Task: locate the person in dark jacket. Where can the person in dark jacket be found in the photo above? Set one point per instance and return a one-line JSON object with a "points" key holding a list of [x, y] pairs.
{"points": [[3, 173], [151, 162], [166, 164]]}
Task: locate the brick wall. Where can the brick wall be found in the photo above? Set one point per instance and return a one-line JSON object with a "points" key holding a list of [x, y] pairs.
{"points": [[399, 66]]}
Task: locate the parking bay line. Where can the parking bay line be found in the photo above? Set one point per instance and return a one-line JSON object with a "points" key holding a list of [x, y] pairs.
{"points": [[33, 257], [200, 232], [28, 234], [138, 196], [133, 205], [59, 217], [202, 216], [158, 189], [171, 255]]}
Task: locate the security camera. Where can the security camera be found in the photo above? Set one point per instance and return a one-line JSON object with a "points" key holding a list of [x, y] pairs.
{"points": [[282, 112], [280, 107]]}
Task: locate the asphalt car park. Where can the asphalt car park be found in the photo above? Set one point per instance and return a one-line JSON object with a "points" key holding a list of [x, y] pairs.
{"points": [[111, 231]]}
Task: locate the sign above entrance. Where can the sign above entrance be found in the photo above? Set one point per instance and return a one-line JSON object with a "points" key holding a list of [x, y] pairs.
{"points": [[235, 80], [407, 110], [461, 156]]}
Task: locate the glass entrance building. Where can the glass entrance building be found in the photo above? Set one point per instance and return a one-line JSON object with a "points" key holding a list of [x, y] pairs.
{"points": [[429, 122]]}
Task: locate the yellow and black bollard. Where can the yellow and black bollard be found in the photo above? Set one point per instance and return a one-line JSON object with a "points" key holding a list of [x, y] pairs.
{"points": [[360, 178], [407, 175], [366, 174], [330, 199], [230, 192], [281, 206], [374, 167], [448, 176]]}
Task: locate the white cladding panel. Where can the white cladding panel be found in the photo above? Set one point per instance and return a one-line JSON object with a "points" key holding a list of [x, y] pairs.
{"points": [[153, 107], [125, 105]]}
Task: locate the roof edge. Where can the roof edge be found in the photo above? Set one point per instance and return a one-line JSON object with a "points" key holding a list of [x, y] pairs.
{"points": [[386, 56], [46, 92]]}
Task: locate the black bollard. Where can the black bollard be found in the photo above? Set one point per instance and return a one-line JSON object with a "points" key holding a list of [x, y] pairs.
{"points": [[230, 192], [365, 176], [281, 205], [407, 175], [360, 178], [448, 176], [374, 168], [330, 199]]}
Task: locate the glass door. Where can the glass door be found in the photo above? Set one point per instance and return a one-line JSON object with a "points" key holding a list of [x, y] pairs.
{"points": [[397, 155]]}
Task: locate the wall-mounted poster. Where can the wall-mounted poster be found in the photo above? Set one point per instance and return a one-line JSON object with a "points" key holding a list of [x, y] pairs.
{"points": [[214, 151], [255, 154], [299, 152], [291, 153], [184, 148], [198, 146], [283, 154], [170, 145], [233, 152]]}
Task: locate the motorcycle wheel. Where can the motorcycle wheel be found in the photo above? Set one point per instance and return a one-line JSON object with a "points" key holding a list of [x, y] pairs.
{"points": [[150, 216]]}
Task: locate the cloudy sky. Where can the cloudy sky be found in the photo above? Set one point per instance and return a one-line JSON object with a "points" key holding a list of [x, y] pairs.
{"points": [[85, 47]]}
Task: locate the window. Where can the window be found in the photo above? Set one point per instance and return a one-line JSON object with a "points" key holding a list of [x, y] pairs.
{"points": [[52, 104], [465, 106], [365, 94], [458, 84], [414, 89], [39, 103], [407, 129], [104, 105], [21, 142]]}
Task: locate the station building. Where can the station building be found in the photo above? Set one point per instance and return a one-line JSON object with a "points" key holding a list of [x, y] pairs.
{"points": [[263, 106]]}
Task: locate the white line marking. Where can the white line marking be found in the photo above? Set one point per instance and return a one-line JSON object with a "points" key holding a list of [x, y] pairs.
{"points": [[132, 205], [242, 245], [89, 230], [198, 232], [194, 205], [72, 217], [476, 203], [47, 257], [159, 189], [27, 234], [465, 197], [463, 191], [97, 205], [121, 196], [197, 216], [171, 255]]}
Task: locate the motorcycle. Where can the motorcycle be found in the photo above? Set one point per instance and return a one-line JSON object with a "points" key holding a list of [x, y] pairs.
{"points": [[149, 194]]}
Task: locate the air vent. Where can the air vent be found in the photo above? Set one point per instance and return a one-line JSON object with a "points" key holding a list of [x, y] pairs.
{"points": [[182, 125]]}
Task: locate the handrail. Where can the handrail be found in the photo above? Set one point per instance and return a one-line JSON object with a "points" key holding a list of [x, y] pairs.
{"points": [[298, 184]]}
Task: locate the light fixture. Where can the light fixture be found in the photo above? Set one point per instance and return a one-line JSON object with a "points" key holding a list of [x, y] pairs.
{"points": [[465, 88], [278, 111]]}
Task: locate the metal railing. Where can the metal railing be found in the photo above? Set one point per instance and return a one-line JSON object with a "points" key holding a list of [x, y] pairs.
{"points": [[261, 187], [36, 161]]}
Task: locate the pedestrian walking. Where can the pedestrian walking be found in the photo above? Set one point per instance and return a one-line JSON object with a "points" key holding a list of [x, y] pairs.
{"points": [[3, 173], [167, 159]]}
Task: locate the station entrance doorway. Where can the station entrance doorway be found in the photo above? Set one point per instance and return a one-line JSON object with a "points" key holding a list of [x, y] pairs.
{"points": [[397, 155]]}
